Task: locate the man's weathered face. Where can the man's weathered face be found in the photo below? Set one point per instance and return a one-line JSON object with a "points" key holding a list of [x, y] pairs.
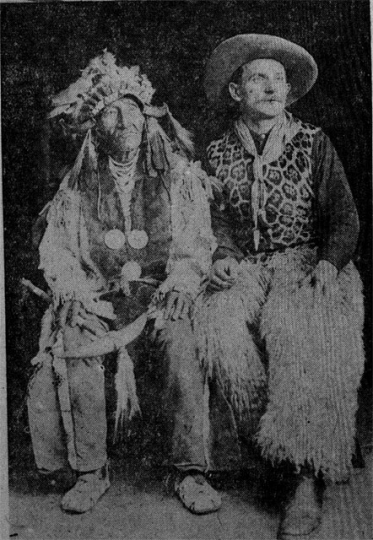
{"points": [[120, 127], [263, 89]]}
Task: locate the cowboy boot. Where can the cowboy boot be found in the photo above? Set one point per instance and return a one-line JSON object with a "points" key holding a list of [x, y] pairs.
{"points": [[302, 514]]}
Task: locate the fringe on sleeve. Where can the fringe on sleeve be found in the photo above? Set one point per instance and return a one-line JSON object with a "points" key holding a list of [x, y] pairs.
{"points": [[192, 240], [64, 255]]}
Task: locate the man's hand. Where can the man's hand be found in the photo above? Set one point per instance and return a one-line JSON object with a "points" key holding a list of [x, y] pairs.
{"points": [[73, 314], [177, 305], [324, 278], [223, 273]]}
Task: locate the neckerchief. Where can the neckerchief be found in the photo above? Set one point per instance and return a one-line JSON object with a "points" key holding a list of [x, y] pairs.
{"points": [[281, 133]]}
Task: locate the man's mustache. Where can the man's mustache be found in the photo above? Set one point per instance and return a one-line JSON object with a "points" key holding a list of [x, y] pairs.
{"points": [[273, 99]]}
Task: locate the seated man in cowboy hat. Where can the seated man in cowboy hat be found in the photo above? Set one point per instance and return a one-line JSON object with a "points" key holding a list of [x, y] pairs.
{"points": [[282, 329], [127, 243]]}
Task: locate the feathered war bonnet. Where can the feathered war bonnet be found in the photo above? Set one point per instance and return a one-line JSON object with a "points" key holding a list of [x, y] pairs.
{"points": [[102, 83]]}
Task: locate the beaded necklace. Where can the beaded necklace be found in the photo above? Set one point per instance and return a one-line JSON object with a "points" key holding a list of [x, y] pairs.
{"points": [[123, 176]]}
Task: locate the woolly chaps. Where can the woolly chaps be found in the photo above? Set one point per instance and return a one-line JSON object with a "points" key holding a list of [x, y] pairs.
{"points": [[289, 358]]}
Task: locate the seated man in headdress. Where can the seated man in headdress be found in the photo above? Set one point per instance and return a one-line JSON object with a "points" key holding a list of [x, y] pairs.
{"points": [[126, 246], [282, 332]]}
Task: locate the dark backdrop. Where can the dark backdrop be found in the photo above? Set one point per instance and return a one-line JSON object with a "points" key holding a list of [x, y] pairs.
{"points": [[44, 45]]}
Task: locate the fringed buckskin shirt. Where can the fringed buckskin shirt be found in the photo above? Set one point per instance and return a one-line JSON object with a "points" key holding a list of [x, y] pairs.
{"points": [[171, 208], [150, 211], [296, 193]]}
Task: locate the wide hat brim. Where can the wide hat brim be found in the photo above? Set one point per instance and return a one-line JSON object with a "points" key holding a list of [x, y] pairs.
{"points": [[300, 66]]}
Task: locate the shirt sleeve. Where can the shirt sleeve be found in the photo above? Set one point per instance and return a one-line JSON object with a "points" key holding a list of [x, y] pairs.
{"points": [[338, 221], [223, 223], [223, 228]]}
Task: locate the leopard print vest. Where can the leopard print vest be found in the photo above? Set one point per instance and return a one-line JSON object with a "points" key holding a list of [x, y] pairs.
{"points": [[287, 216]]}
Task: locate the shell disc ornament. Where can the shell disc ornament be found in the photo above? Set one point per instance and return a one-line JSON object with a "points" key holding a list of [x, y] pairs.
{"points": [[115, 239], [131, 271], [137, 239]]}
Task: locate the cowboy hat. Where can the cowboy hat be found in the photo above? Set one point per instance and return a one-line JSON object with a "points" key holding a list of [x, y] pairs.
{"points": [[300, 66]]}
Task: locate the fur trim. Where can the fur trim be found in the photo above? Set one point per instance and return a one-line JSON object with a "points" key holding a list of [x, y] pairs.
{"points": [[226, 347], [314, 350], [316, 361]]}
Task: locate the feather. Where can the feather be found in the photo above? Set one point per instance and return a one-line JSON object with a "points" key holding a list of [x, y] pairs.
{"points": [[99, 80], [125, 385], [60, 109], [86, 146], [182, 135], [158, 147]]}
